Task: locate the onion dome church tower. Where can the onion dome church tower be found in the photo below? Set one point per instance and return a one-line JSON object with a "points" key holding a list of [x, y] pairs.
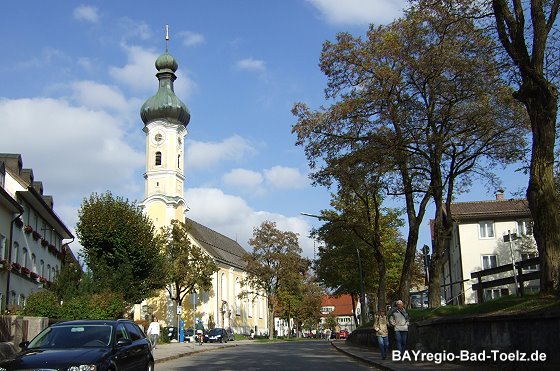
{"points": [[165, 120]]}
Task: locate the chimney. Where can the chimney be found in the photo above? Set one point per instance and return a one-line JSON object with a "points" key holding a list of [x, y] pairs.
{"points": [[500, 195]]}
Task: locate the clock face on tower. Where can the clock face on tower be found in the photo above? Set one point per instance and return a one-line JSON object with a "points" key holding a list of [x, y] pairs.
{"points": [[158, 138]]}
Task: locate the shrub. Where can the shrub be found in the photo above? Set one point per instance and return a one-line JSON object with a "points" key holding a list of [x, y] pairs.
{"points": [[42, 304]]}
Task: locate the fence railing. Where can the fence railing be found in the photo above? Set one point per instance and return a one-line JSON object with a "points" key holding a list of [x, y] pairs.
{"points": [[518, 278]]}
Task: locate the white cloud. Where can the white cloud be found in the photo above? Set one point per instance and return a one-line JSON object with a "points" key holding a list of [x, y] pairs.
{"points": [[191, 38], [202, 155], [250, 64], [234, 218], [139, 73], [86, 13], [359, 11], [135, 29], [285, 177], [70, 147], [243, 178], [99, 96]]}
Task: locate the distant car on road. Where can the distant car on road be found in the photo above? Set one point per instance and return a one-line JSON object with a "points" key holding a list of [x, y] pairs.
{"points": [[343, 334], [85, 345], [216, 335], [189, 335]]}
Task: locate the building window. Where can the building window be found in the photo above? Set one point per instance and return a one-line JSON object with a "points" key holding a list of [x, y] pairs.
{"points": [[237, 299], [42, 268], [15, 253], [250, 304], [158, 158], [3, 247], [261, 306], [525, 227], [490, 294], [525, 256], [486, 229], [489, 261], [179, 161], [33, 263], [24, 258]]}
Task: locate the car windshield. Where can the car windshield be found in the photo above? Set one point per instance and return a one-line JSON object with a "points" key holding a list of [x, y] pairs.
{"points": [[73, 336], [216, 331]]}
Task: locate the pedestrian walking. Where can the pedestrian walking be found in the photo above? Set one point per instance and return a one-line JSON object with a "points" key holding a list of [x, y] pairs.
{"points": [[380, 327], [399, 320], [153, 332]]}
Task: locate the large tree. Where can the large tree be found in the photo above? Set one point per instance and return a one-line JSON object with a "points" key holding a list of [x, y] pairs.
{"points": [[120, 247], [275, 257], [525, 30], [188, 268], [427, 89]]}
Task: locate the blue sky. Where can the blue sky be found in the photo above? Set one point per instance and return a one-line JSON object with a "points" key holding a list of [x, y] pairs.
{"points": [[74, 75]]}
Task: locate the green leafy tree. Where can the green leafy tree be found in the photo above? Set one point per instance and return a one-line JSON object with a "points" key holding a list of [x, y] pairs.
{"points": [[528, 32], [299, 297], [68, 283], [275, 256], [120, 247], [188, 269]]}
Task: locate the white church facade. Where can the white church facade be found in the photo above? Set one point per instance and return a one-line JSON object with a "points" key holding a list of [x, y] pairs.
{"points": [[165, 119]]}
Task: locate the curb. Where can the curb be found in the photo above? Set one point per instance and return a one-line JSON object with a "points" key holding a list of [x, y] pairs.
{"points": [[362, 359], [186, 354]]}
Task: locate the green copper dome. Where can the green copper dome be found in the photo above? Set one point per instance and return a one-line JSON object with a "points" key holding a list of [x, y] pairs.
{"points": [[165, 105]]}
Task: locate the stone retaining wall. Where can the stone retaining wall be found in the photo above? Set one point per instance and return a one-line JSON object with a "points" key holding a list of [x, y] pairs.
{"points": [[507, 334]]}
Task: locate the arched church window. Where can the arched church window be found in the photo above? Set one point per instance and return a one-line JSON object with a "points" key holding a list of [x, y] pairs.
{"points": [[158, 158], [178, 161]]}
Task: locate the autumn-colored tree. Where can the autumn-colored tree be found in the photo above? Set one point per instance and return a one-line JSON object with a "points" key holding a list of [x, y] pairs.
{"points": [[188, 268], [119, 247], [427, 89], [275, 256], [525, 30]]}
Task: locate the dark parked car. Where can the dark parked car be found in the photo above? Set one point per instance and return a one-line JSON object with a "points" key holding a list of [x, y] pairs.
{"points": [[85, 345], [216, 335]]}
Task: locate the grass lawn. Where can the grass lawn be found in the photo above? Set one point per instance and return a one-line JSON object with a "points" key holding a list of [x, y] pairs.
{"points": [[504, 305]]}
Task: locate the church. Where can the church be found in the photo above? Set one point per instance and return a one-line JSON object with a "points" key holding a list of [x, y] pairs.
{"points": [[165, 119]]}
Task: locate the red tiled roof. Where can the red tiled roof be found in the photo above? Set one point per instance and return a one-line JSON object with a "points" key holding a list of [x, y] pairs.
{"points": [[490, 209], [342, 304]]}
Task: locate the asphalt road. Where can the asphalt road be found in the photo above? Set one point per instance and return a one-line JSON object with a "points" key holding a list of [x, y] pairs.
{"points": [[296, 355]]}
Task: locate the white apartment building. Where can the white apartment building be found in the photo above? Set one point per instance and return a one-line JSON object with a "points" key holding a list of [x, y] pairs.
{"points": [[480, 241], [32, 246]]}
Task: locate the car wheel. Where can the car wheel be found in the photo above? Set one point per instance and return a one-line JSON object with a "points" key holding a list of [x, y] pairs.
{"points": [[221, 340], [150, 366]]}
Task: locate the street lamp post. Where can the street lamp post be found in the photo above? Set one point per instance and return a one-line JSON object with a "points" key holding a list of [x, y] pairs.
{"points": [[510, 237]]}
